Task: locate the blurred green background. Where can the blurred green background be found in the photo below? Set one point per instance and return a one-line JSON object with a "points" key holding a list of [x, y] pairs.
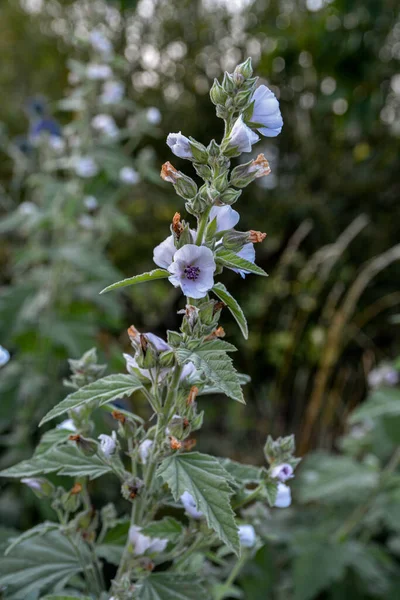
{"points": [[328, 314]]}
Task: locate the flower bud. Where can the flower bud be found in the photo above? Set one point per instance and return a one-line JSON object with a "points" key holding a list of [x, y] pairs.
{"points": [[189, 504], [247, 536], [256, 237], [230, 196], [41, 487], [169, 173], [221, 182], [184, 185], [203, 171], [283, 472], [167, 359], [241, 139], [283, 496], [217, 93], [242, 99], [228, 84], [88, 447], [244, 174], [130, 489], [245, 69], [180, 145], [191, 399], [235, 240], [108, 443], [199, 151], [175, 427]]}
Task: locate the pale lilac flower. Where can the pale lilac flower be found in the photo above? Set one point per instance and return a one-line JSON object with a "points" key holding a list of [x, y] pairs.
{"points": [[144, 450], [113, 92], [283, 496], [105, 124], [190, 506], [163, 254], [100, 43], [97, 72], [86, 167], [90, 202], [68, 425], [129, 176], [193, 270], [40, 486], [180, 145], [27, 208], [282, 472], [266, 112], [248, 253], [383, 375], [160, 346], [142, 543], [188, 371], [4, 356], [242, 137], [226, 217], [31, 482], [153, 115], [247, 536], [108, 443]]}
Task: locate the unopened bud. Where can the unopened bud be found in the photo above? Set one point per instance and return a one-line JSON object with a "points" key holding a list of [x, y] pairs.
{"points": [[230, 196], [184, 185], [76, 489], [194, 390], [217, 93], [235, 240], [217, 333], [255, 237], [199, 151], [40, 486], [167, 359], [189, 444], [245, 69], [131, 489], [244, 174], [218, 306], [88, 447]]}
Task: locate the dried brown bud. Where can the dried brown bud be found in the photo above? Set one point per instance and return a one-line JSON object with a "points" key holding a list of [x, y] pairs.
{"points": [[75, 438], [256, 236], [217, 333], [174, 444], [194, 390], [77, 488], [143, 343], [189, 444], [133, 333], [177, 226], [169, 173], [218, 306], [260, 166], [185, 423], [118, 416]]}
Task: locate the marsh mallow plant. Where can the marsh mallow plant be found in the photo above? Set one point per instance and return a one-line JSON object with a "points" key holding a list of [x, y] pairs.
{"points": [[186, 536]]}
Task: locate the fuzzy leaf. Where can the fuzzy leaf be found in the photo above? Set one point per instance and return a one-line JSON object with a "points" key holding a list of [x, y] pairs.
{"points": [[170, 586], [384, 402], [150, 276], [64, 597], [206, 480], [167, 528], [66, 460], [217, 367], [233, 261], [41, 563], [222, 293], [242, 474], [102, 391], [38, 530]]}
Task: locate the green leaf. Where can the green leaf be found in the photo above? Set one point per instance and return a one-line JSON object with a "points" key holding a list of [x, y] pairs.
{"points": [[38, 530], [217, 367], [233, 261], [242, 474], [64, 597], [170, 586], [66, 460], [331, 479], [209, 483], [102, 391], [167, 528], [40, 564], [150, 276], [384, 402], [222, 293]]}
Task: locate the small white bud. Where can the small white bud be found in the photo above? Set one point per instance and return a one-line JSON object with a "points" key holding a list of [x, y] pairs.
{"points": [[190, 506], [144, 450], [283, 497], [108, 443], [247, 536]]}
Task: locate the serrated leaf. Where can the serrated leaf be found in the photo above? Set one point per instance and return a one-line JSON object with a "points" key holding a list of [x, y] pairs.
{"points": [[170, 586], [36, 531], [217, 367], [209, 483], [222, 293], [167, 528], [150, 276], [102, 391], [41, 563], [233, 261], [242, 474], [384, 402], [66, 460]]}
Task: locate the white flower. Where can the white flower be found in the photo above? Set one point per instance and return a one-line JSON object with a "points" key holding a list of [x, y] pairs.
{"points": [[180, 145], [27, 208], [188, 370], [86, 167], [247, 536], [163, 254], [129, 176], [108, 443], [153, 115], [105, 124], [96, 71], [282, 472], [113, 92], [31, 482], [193, 270], [226, 217], [383, 375], [266, 112], [68, 425], [160, 346], [190, 506], [56, 143], [4, 356], [86, 221], [143, 543], [100, 43], [248, 253], [144, 450], [90, 202], [242, 137], [283, 496]]}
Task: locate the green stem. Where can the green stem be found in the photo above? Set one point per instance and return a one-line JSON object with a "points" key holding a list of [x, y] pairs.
{"points": [[249, 498], [202, 225], [233, 575]]}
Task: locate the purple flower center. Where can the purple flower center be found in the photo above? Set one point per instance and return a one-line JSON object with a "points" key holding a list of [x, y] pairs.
{"points": [[191, 272]]}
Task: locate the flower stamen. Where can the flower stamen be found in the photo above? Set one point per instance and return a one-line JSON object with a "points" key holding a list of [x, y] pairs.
{"points": [[191, 272]]}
